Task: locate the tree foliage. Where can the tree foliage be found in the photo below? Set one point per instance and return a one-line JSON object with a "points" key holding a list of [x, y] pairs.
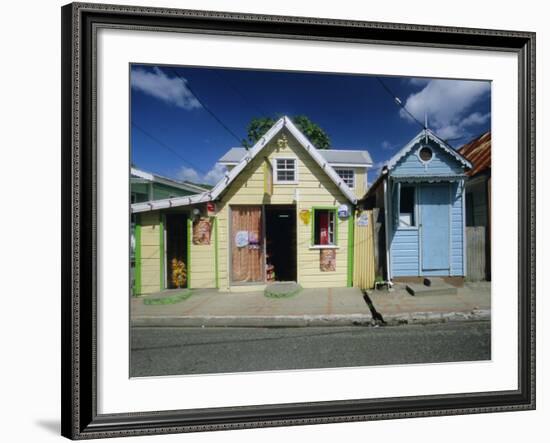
{"points": [[258, 126]]}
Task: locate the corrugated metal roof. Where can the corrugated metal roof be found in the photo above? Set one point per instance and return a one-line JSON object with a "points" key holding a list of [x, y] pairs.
{"points": [[478, 151], [333, 156]]}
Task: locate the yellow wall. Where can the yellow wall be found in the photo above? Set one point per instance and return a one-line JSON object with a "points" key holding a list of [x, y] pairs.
{"points": [[360, 182], [150, 252], [315, 188]]}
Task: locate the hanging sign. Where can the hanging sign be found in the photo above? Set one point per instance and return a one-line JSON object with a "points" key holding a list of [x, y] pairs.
{"points": [[327, 260], [363, 219], [202, 231], [210, 208], [241, 239], [305, 216], [343, 211]]}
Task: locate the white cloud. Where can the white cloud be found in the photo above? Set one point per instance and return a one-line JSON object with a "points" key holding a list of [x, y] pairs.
{"points": [[387, 146], [446, 103], [211, 177], [476, 118], [417, 81], [173, 91]]}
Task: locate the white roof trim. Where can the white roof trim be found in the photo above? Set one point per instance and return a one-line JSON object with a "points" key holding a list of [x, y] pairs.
{"points": [[216, 191], [427, 133], [350, 165]]}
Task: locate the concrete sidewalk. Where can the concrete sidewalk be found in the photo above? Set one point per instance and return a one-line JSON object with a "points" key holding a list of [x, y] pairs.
{"points": [[472, 302], [210, 307], [315, 307]]}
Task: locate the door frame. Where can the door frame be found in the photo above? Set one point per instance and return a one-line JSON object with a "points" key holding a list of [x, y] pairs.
{"points": [[421, 271]]}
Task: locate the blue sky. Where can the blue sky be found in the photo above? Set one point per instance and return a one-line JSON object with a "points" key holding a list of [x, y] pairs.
{"points": [[175, 136]]}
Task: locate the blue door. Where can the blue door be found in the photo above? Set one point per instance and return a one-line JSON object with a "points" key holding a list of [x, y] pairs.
{"points": [[435, 231]]}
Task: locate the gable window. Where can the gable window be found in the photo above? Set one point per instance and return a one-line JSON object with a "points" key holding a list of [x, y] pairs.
{"points": [[324, 227], [285, 170], [406, 207], [347, 175], [425, 154]]}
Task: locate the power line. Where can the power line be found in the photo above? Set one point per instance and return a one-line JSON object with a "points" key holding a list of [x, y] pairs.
{"points": [[207, 109], [240, 94], [397, 100], [164, 145]]}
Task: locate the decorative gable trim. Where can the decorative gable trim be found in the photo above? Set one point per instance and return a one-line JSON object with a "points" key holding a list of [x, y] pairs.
{"points": [[426, 133]]}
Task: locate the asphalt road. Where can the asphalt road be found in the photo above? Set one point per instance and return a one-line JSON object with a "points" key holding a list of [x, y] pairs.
{"points": [[170, 351]]}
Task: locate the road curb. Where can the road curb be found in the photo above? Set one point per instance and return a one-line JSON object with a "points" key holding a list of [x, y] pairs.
{"points": [[294, 321], [271, 321], [437, 317]]}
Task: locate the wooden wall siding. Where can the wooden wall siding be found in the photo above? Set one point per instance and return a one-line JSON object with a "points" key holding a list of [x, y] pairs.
{"points": [[457, 230], [150, 252], [405, 253], [476, 257], [478, 193], [364, 261], [203, 264], [360, 180], [441, 163], [314, 189]]}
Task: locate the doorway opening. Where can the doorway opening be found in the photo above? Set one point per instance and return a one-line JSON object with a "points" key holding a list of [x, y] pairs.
{"points": [[176, 266], [280, 228]]}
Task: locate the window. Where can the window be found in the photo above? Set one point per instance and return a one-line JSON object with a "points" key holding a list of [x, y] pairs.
{"points": [[324, 227], [425, 154], [406, 207], [285, 170], [348, 176]]}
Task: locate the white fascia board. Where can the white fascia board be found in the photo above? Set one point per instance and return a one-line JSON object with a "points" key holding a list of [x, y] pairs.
{"points": [[154, 205], [450, 150], [350, 165], [141, 174], [329, 170]]}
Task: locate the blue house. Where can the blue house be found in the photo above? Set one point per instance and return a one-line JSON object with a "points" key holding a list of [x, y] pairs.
{"points": [[420, 198]]}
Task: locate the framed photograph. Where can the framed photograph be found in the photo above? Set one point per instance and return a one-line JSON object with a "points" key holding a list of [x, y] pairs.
{"points": [[274, 221]]}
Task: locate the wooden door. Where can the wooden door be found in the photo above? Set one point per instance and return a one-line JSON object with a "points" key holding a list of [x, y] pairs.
{"points": [[247, 245]]}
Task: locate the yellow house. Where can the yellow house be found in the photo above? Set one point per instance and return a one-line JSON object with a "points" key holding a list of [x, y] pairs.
{"points": [[284, 211]]}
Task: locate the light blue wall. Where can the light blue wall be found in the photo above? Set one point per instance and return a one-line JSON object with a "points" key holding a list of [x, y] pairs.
{"points": [[405, 256], [457, 230], [405, 253], [442, 163]]}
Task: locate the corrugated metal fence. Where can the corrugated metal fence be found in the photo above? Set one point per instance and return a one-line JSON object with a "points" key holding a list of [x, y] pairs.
{"points": [[363, 267], [476, 253]]}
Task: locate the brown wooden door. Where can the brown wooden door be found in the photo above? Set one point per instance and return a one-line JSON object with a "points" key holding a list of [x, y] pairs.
{"points": [[247, 244]]}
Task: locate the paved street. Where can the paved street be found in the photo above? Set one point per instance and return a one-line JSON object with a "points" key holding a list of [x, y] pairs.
{"points": [[168, 351]]}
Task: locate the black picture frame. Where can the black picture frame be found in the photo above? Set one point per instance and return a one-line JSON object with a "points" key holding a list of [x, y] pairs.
{"points": [[79, 173]]}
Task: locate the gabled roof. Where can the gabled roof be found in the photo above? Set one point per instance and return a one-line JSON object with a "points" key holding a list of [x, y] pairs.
{"points": [[426, 133], [223, 184], [478, 151], [186, 186], [335, 157]]}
